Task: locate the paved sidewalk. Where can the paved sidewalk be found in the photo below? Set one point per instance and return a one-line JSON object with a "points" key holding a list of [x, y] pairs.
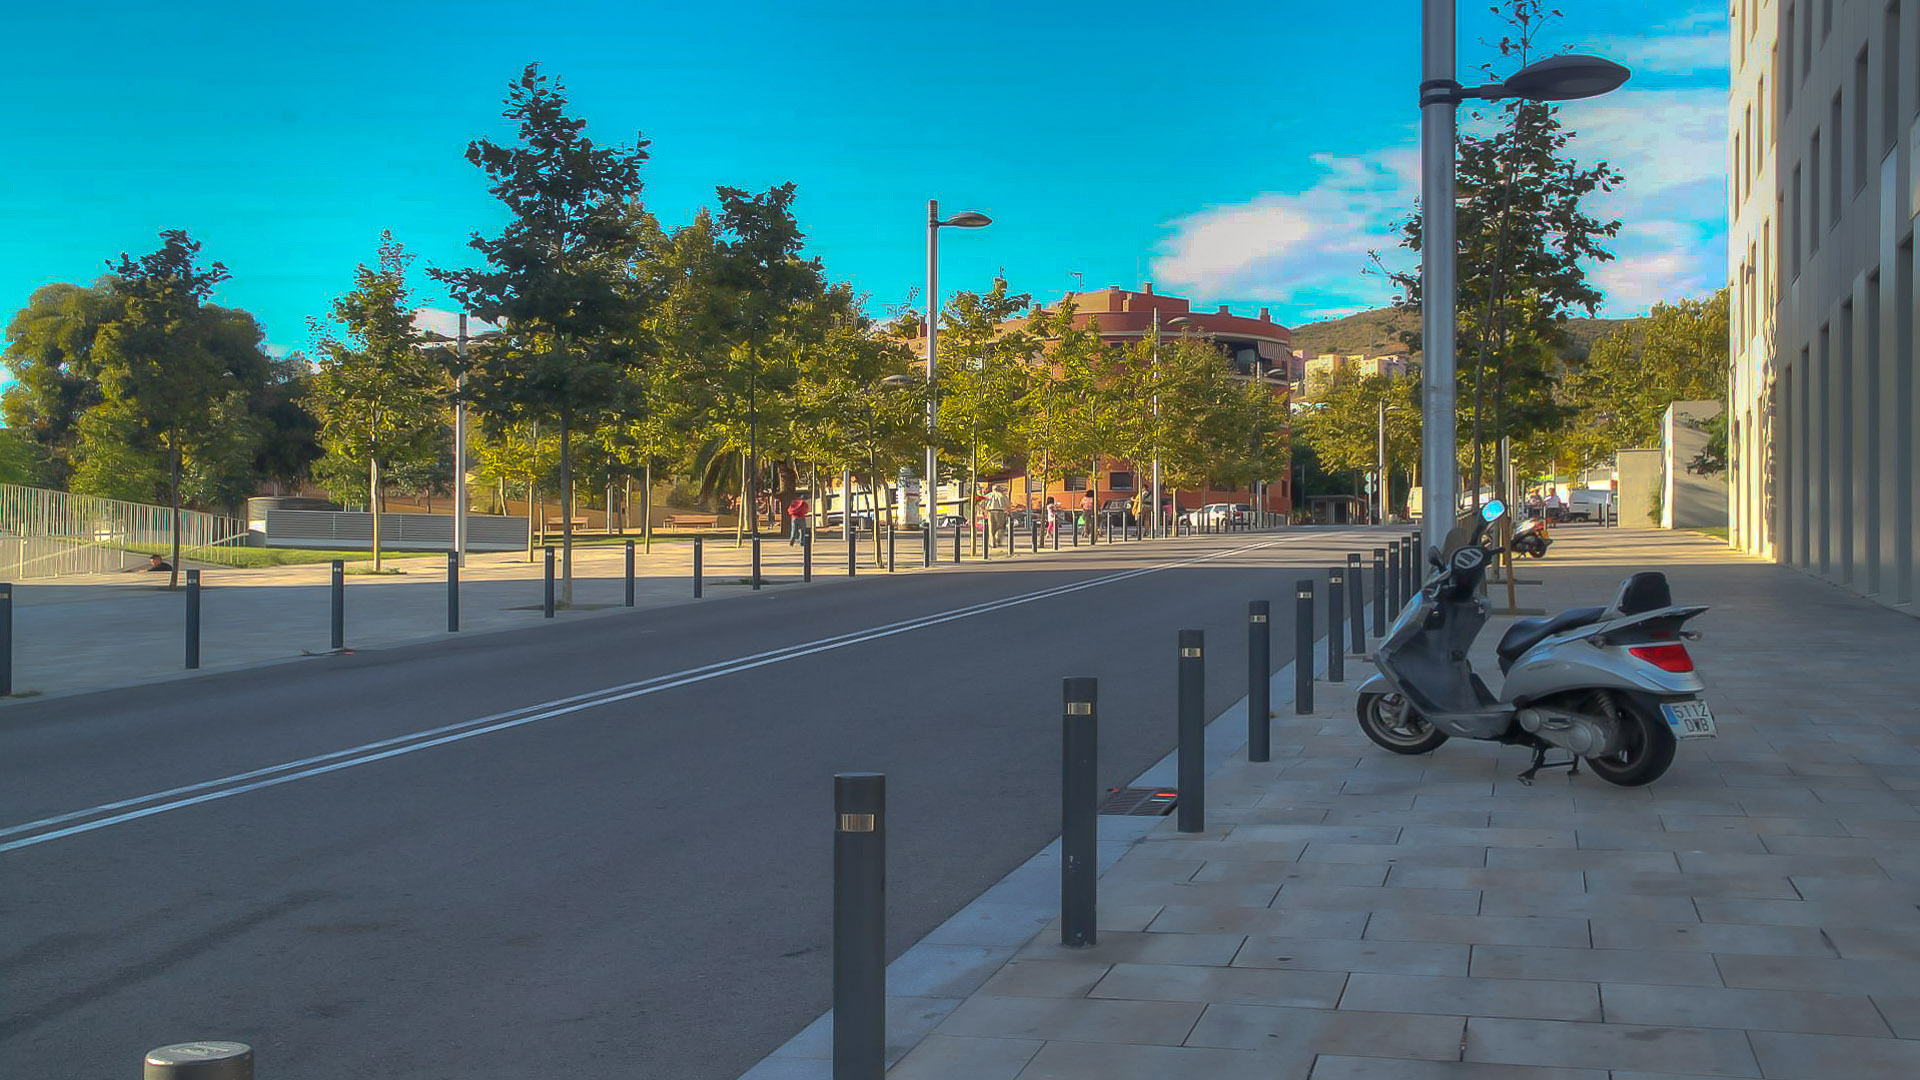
{"points": [[1351, 914], [92, 632]]}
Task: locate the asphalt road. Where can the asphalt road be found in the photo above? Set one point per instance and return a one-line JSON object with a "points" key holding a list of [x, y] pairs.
{"points": [[632, 882]]}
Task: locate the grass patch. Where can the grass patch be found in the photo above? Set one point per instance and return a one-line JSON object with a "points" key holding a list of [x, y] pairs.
{"points": [[253, 558], [1717, 532]]}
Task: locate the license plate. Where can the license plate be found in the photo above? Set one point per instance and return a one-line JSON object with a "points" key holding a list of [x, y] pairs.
{"points": [[1689, 719]]}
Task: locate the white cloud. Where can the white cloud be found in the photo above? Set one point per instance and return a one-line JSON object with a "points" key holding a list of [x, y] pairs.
{"points": [[446, 323], [1304, 251], [1698, 41]]}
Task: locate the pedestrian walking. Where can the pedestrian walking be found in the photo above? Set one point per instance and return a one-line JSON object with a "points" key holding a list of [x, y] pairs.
{"points": [[797, 520], [996, 515], [1088, 516], [1052, 511], [1142, 509]]}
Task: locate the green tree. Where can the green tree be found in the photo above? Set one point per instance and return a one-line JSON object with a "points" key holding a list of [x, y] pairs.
{"points": [[556, 276], [1073, 412], [1341, 424], [50, 354], [1631, 376], [985, 370], [170, 363], [1525, 237], [21, 460], [378, 395]]}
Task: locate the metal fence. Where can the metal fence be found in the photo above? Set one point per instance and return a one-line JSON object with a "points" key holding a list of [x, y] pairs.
{"points": [[54, 533]]}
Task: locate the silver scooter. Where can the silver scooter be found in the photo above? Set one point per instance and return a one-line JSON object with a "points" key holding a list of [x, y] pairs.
{"points": [[1613, 685]]}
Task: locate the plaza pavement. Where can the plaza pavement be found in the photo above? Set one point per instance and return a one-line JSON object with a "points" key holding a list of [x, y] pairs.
{"points": [[1350, 914]]}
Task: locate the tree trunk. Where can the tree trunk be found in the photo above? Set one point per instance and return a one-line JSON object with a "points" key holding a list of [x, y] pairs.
{"points": [[646, 509], [566, 508], [373, 501], [173, 454], [746, 507]]}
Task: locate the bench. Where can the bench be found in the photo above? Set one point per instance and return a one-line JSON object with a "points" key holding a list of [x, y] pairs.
{"points": [[691, 521]]}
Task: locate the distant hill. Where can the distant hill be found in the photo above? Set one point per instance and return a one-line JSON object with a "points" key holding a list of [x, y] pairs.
{"points": [[1378, 331]]}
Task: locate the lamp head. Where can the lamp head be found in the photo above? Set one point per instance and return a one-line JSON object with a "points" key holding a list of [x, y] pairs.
{"points": [[1565, 78], [968, 220]]}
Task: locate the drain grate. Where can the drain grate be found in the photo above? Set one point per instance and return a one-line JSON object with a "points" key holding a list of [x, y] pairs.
{"points": [[1140, 801]]}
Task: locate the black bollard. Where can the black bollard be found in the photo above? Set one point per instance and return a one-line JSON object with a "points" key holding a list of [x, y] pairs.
{"points": [[6, 639], [756, 564], [1034, 528], [853, 540], [1394, 577], [890, 548], [1356, 605], [453, 589], [339, 591], [1379, 592], [956, 543], [205, 1060], [806, 556], [1303, 647], [1259, 682], [193, 619], [546, 607], [1415, 567], [1193, 733], [1076, 530], [1079, 805], [699, 571], [629, 573], [859, 926], [1336, 635]]}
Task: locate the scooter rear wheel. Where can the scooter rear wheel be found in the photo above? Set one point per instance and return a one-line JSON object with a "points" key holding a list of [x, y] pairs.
{"points": [[1650, 745], [1390, 721]]}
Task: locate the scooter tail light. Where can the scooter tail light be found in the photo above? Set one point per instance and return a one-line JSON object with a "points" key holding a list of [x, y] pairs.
{"points": [[1665, 657]]}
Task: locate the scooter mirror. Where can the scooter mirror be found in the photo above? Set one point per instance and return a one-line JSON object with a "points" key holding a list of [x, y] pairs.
{"points": [[1492, 510]]}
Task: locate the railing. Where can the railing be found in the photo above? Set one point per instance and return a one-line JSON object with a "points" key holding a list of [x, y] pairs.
{"points": [[54, 533]]}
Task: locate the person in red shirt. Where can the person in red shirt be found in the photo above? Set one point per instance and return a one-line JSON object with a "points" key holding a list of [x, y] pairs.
{"points": [[797, 520]]}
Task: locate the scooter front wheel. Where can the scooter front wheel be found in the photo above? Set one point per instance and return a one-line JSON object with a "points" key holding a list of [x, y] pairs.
{"points": [[1650, 744], [1537, 552], [1390, 721]]}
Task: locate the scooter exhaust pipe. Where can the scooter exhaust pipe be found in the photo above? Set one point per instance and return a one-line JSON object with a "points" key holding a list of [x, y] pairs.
{"points": [[1587, 736]]}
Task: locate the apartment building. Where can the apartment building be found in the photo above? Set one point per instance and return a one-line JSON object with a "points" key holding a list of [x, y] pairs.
{"points": [[1823, 186]]}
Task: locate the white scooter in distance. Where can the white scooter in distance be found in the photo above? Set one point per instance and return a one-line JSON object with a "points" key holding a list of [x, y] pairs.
{"points": [[1613, 685]]}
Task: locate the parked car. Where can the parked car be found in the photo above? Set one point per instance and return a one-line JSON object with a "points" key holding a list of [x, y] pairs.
{"points": [[1212, 515], [1120, 511], [1587, 504], [1243, 513]]}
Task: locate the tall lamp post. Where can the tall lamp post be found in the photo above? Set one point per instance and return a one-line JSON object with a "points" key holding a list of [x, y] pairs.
{"points": [[1557, 78], [966, 220]]}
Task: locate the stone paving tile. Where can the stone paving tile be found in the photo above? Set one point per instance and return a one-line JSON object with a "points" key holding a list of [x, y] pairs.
{"points": [[1302, 1033], [958, 1057], [1398, 854], [1124, 948], [1884, 828], [1280, 873], [1078, 1019], [1330, 1067], [908, 1020], [1637, 816], [1267, 921], [1398, 957], [1338, 834], [1378, 898], [1463, 819], [1582, 859], [1759, 1010], [1795, 866], [1662, 840], [1490, 837], [1751, 886], [1091, 1061], [1514, 902], [1115, 917], [1246, 986], [1902, 1014], [1555, 1042], [1184, 845], [1814, 1057], [1455, 877], [1145, 867], [1567, 933], [1768, 826], [944, 971], [1859, 942], [1806, 913], [1859, 847], [1064, 977], [1813, 973], [1184, 894], [1593, 965], [1846, 889], [1528, 999], [1713, 937], [987, 923]]}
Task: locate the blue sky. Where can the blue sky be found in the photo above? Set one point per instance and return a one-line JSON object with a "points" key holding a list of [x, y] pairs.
{"points": [[1249, 154]]}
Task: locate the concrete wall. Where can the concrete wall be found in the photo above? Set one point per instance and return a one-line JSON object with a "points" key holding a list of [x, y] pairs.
{"points": [[1689, 500], [1639, 481]]}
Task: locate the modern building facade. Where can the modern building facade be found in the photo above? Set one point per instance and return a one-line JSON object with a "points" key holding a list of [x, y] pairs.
{"points": [[1318, 371], [1823, 186]]}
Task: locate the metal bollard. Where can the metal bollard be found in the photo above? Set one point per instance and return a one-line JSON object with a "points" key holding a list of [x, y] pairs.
{"points": [[208, 1059], [6, 639], [193, 619], [956, 543], [453, 589], [339, 590], [806, 558], [1079, 805], [1393, 577], [853, 542], [1414, 567], [1336, 634], [1379, 592], [546, 607], [859, 926], [1034, 528], [699, 572], [629, 573], [890, 549], [930, 541], [1356, 605], [1193, 732], [1076, 530], [1303, 647], [986, 546], [1259, 682], [756, 564]]}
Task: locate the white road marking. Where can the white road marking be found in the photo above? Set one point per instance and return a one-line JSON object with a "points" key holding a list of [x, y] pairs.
{"points": [[227, 786]]}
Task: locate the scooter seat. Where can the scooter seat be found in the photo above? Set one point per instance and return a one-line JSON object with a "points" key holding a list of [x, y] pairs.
{"points": [[1524, 634]]}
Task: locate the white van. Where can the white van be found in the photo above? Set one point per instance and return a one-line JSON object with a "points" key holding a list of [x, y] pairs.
{"points": [[1588, 504]]}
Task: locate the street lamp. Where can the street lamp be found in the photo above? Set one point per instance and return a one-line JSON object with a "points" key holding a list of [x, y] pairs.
{"points": [[1557, 78], [967, 220], [460, 429]]}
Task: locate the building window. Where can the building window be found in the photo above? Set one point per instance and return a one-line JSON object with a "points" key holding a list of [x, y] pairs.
{"points": [[1761, 130], [1075, 483], [1904, 552], [1806, 47], [1860, 121], [1890, 78], [1813, 196], [1120, 481], [1792, 226], [1746, 152], [1835, 140], [1783, 84], [1733, 169], [1769, 265], [1826, 20]]}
